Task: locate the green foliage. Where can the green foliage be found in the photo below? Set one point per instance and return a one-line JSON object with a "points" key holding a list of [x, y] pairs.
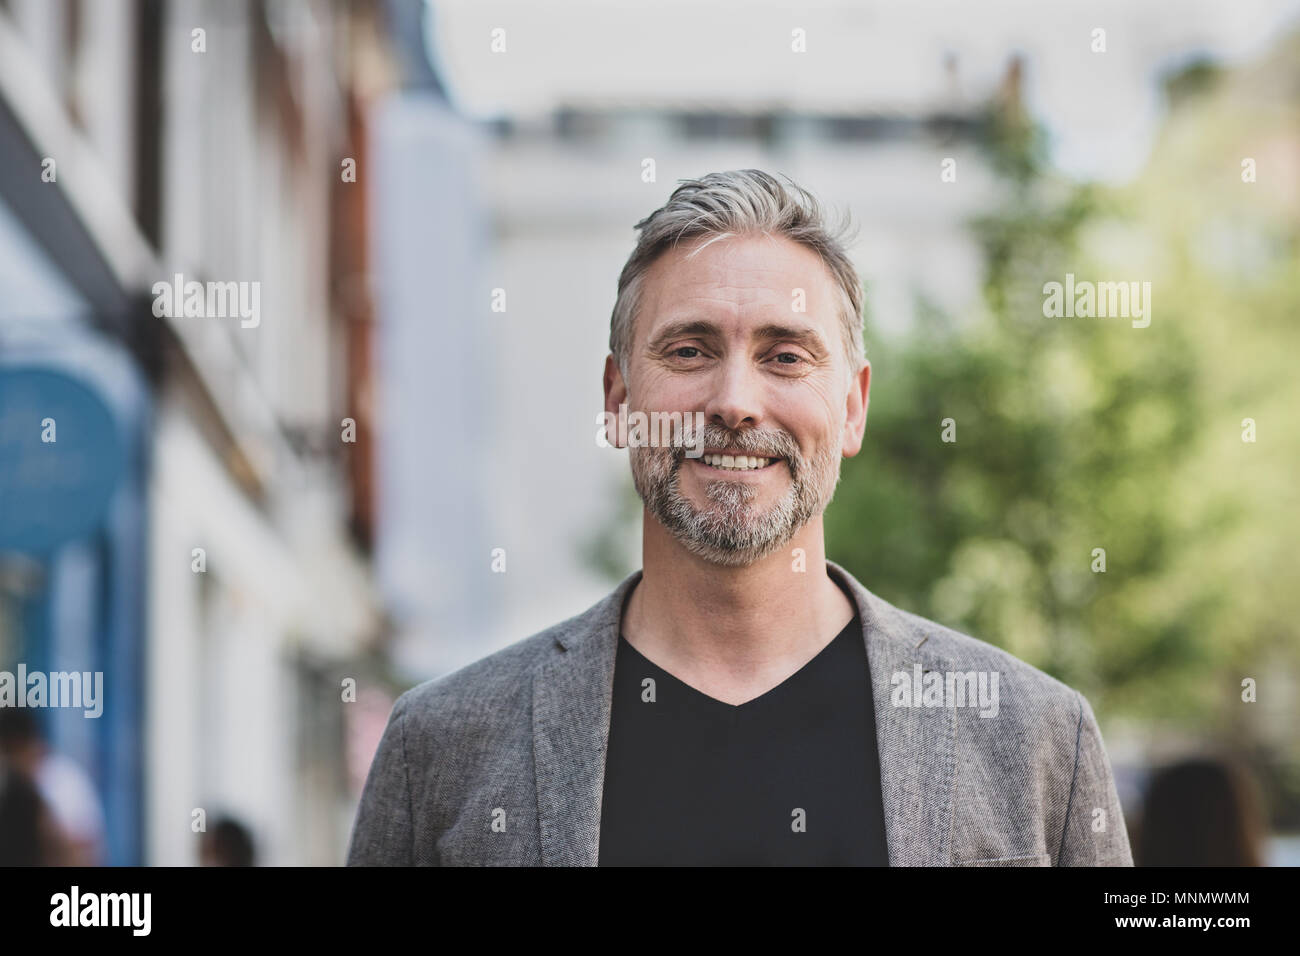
{"points": [[1071, 434]]}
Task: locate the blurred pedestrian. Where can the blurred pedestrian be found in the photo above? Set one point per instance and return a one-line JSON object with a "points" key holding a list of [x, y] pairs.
{"points": [[29, 835], [228, 843], [1202, 811], [65, 790]]}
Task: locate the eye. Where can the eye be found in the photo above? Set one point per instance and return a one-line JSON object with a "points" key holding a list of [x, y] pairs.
{"points": [[685, 348], [793, 355]]}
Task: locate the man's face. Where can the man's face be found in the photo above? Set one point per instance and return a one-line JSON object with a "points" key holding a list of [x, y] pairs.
{"points": [[719, 333]]}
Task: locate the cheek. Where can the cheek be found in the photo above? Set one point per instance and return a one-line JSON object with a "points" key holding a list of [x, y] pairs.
{"points": [[656, 391], [830, 400], [816, 434], [832, 417]]}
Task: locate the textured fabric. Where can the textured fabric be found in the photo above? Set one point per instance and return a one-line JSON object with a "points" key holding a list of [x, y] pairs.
{"points": [[789, 778], [502, 763]]}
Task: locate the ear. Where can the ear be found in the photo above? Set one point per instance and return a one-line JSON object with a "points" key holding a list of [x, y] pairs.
{"points": [[615, 395], [855, 410]]}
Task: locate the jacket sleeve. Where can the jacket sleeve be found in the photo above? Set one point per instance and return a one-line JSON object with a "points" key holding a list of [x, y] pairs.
{"points": [[382, 834], [1090, 837]]}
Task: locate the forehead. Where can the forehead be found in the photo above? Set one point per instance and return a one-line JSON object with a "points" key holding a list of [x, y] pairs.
{"points": [[738, 282]]}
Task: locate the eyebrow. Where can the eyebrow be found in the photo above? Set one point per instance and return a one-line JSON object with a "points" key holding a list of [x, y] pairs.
{"points": [[806, 336]]}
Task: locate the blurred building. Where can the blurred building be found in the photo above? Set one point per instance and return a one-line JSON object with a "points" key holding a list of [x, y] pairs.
{"points": [[438, 370], [200, 530]]}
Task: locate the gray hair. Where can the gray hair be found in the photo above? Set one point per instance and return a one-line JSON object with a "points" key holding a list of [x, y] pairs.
{"points": [[738, 202]]}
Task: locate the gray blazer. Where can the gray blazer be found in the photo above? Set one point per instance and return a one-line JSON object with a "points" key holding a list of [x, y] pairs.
{"points": [[502, 763]]}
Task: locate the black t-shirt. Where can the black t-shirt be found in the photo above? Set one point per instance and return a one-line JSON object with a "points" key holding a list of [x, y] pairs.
{"points": [[790, 778]]}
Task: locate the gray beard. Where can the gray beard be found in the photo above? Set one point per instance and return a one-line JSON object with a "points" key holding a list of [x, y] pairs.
{"points": [[729, 531]]}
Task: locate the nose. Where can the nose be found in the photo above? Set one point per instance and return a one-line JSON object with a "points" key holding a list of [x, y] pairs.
{"points": [[734, 395]]}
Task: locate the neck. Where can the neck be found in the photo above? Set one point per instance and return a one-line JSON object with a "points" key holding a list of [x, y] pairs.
{"points": [[734, 632]]}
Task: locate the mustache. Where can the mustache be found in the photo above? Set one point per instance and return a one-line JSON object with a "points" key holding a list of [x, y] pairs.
{"points": [[761, 443]]}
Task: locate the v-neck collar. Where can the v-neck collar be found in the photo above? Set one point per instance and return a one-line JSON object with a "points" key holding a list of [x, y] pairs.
{"points": [[779, 690], [571, 717]]}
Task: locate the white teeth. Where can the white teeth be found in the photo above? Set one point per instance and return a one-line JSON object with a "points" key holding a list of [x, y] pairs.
{"points": [[737, 462]]}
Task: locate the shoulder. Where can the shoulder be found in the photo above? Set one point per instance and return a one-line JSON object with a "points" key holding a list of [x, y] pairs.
{"points": [[480, 688], [505, 678], [1026, 694], [498, 685]]}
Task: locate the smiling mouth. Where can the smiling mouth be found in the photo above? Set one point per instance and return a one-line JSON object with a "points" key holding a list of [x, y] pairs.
{"points": [[737, 462]]}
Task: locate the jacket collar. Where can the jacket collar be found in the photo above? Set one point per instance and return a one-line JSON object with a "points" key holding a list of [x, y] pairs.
{"points": [[572, 693]]}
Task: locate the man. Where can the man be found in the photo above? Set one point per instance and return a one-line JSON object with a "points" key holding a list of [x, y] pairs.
{"points": [[740, 699]]}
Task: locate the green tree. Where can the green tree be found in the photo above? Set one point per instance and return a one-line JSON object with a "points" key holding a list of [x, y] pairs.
{"points": [[1065, 431]]}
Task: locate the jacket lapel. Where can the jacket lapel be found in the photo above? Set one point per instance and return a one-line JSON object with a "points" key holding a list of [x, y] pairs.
{"points": [[571, 710], [915, 744], [572, 691]]}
